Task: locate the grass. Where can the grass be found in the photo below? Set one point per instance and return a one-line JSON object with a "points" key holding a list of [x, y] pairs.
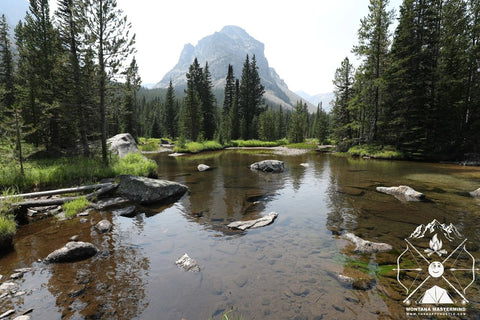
{"points": [[375, 151], [73, 207], [63, 172], [226, 316], [309, 144], [196, 147], [150, 144], [8, 226], [257, 143]]}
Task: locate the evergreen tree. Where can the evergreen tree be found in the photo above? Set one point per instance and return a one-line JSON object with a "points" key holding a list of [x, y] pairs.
{"points": [[320, 124], [112, 43], [250, 98], [228, 103], [11, 123], [413, 78], [235, 115], [132, 86], [343, 83], [299, 123], [37, 44], [374, 42], [170, 113], [71, 18], [207, 98], [191, 118]]}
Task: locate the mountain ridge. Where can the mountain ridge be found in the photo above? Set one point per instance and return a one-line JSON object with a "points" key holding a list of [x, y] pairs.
{"points": [[230, 46]]}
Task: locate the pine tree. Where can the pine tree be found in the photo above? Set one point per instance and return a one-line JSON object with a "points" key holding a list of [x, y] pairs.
{"points": [[132, 86], [207, 98], [250, 99], [373, 47], [413, 77], [299, 123], [228, 103], [320, 124], [37, 44], [235, 115], [71, 18], [112, 43], [11, 122], [343, 83], [170, 112], [191, 118]]}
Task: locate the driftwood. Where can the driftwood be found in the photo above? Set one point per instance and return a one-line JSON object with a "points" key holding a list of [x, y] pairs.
{"points": [[58, 191], [105, 187]]}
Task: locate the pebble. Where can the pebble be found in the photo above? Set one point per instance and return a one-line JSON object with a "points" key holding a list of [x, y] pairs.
{"points": [[74, 238], [16, 275]]}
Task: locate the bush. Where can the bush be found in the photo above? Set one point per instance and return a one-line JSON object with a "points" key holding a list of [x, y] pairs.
{"points": [[7, 221], [375, 151], [73, 207], [195, 147], [134, 164]]}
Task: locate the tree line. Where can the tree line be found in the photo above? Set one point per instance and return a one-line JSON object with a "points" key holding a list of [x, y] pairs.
{"points": [[243, 114], [418, 89], [59, 78]]}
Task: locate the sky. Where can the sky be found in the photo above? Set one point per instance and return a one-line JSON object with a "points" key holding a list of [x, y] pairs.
{"points": [[305, 40]]}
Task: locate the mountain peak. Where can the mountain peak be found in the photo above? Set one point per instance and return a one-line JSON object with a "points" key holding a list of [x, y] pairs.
{"points": [[230, 45]]}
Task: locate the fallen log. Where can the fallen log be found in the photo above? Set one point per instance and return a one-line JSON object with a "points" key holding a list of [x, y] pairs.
{"points": [[57, 191], [107, 187]]}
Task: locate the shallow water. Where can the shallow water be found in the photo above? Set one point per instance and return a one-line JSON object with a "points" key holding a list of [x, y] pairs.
{"points": [[282, 271]]}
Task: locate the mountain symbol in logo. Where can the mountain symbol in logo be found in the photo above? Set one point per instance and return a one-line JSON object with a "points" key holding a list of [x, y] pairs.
{"points": [[449, 231]]}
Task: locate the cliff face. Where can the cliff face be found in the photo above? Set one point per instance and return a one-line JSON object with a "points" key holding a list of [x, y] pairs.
{"points": [[230, 46]]}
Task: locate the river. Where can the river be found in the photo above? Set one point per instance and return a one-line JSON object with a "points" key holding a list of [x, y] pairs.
{"points": [[287, 270]]}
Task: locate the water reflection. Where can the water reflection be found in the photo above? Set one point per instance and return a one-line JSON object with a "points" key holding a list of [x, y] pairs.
{"points": [[287, 270]]}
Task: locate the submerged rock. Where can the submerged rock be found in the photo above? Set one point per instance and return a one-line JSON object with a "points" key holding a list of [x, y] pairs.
{"points": [[252, 224], [110, 202], [404, 192], [365, 246], [147, 191], [125, 212], [187, 263], [203, 167], [269, 166], [475, 193], [358, 283], [72, 251], [103, 226], [122, 144]]}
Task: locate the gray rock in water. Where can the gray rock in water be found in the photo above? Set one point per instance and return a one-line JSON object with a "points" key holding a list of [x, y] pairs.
{"points": [[146, 190], [252, 224], [103, 226], [268, 166], [110, 202], [203, 167], [24, 317], [365, 246], [72, 251], [187, 263], [475, 193], [126, 212], [404, 192], [122, 144], [7, 313]]}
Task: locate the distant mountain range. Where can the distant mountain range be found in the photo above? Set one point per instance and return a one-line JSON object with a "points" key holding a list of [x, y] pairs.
{"points": [[324, 98], [230, 46]]}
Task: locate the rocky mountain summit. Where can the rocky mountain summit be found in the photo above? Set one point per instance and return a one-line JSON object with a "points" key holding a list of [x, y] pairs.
{"points": [[230, 46]]}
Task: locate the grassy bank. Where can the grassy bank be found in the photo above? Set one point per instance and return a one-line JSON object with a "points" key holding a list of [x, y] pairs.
{"points": [[376, 152], [70, 171], [7, 221], [196, 147]]}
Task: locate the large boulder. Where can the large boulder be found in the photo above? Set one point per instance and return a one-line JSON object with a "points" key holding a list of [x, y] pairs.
{"points": [[72, 251], [402, 192], [147, 191], [252, 224], [365, 246], [122, 144], [268, 166]]}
